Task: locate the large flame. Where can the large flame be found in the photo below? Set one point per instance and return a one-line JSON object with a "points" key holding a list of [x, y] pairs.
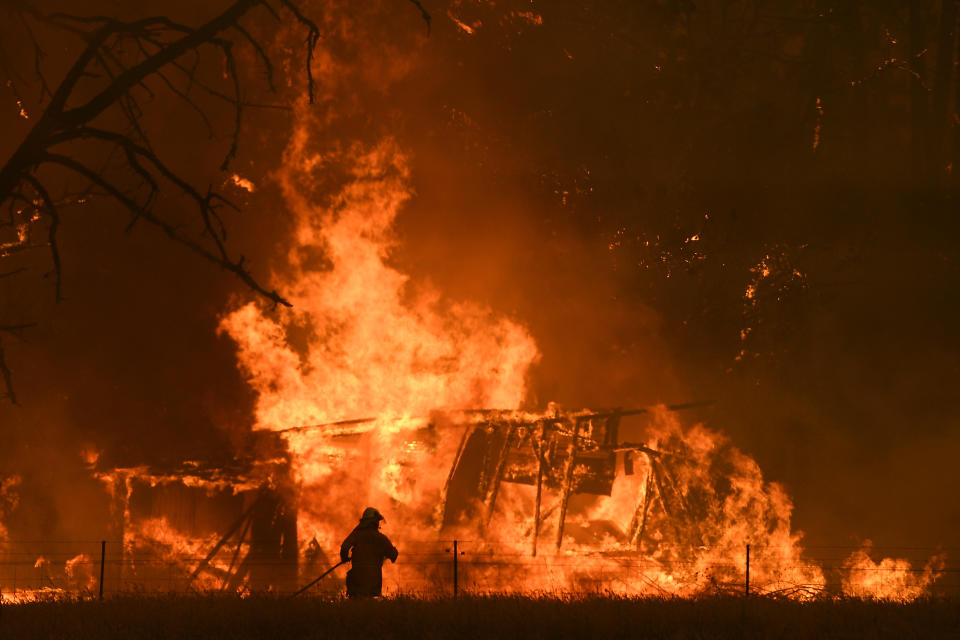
{"points": [[371, 380], [370, 343], [890, 578], [363, 342]]}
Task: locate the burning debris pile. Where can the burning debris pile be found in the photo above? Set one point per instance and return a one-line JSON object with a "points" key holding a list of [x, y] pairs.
{"points": [[551, 501]]}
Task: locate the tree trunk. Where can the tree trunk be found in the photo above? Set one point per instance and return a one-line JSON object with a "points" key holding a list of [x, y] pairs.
{"points": [[955, 123], [939, 147], [859, 114], [919, 104]]}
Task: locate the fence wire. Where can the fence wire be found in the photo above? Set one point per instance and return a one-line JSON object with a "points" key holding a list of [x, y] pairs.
{"points": [[36, 569]]}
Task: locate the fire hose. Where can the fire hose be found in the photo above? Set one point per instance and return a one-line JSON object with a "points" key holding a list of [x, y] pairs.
{"points": [[322, 576]]}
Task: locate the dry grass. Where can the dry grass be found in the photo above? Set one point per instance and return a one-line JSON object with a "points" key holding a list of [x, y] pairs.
{"points": [[476, 617]]}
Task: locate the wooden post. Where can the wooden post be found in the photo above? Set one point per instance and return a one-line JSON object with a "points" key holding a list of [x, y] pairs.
{"points": [[103, 555], [491, 497], [747, 585], [536, 515], [638, 523], [455, 554], [248, 513], [567, 487]]}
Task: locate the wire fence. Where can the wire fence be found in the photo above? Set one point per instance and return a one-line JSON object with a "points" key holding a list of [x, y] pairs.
{"points": [[58, 568]]}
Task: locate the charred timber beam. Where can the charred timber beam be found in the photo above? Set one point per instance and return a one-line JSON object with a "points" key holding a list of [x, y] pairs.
{"points": [[657, 476], [493, 413], [688, 519], [633, 446], [326, 425], [544, 516], [204, 564], [494, 487], [636, 412], [638, 523], [567, 487], [611, 433], [237, 578], [453, 470], [236, 554], [537, 448]]}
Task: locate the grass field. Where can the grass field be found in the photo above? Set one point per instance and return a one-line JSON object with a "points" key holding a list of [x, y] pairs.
{"points": [[476, 617]]}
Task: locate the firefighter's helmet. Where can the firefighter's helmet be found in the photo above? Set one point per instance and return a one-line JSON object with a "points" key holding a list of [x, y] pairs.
{"points": [[371, 515]]}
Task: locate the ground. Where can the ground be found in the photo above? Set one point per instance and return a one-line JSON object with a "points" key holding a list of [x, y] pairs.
{"points": [[201, 616]]}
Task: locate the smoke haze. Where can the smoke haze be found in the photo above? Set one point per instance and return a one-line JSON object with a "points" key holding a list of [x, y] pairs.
{"points": [[610, 180]]}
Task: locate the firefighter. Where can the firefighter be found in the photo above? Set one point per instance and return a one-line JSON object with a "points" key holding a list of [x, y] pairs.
{"points": [[369, 548]]}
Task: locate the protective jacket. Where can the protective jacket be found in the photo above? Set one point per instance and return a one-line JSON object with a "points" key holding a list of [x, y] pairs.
{"points": [[369, 548]]}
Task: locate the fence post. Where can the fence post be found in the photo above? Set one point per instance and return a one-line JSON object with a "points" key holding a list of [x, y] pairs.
{"points": [[103, 555], [747, 584], [455, 553]]}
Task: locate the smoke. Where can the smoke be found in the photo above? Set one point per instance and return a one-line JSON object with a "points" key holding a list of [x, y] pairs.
{"points": [[481, 173]]}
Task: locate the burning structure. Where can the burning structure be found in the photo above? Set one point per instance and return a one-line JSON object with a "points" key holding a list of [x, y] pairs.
{"points": [[573, 498], [566, 454], [679, 506], [625, 500], [206, 526], [573, 453]]}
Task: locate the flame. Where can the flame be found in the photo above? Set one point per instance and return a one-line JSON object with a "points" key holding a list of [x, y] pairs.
{"points": [[381, 372], [889, 579], [362, 341], [9, 499], [527, 16], [90, 455], [818, 126], [371, 379], [243, 183], [463, 26], [77, 577], [376, 346], [169, 548], [80, 573]]}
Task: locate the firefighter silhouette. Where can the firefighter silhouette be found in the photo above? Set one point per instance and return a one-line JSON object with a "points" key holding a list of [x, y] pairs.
{"points": [[366, 548]]}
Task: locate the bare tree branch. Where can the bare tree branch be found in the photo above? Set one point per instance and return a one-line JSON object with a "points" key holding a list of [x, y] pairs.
{"points": [[122, 56], [237, 267], [9, 274], [313, 36], [15, 329], [119, 68], [62, 122], [5, 373], [51, 209], [7, 377], [268, 65], [423, 13]]}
